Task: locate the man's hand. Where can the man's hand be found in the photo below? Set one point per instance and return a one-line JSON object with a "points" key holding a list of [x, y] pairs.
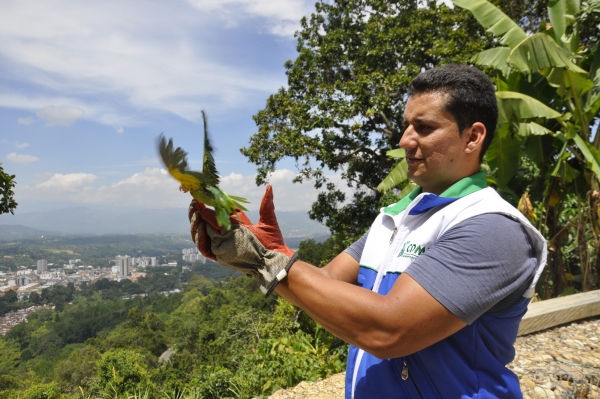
{"points": [[254, 249]]}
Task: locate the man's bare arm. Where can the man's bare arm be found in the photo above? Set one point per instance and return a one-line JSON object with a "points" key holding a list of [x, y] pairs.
{"points": [[342, 268], [402, 322]]}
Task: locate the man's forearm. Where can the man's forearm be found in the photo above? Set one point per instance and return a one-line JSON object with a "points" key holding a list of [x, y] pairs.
{"points": [[406, 320], [282, 290], [335, 304], [343, 267]]}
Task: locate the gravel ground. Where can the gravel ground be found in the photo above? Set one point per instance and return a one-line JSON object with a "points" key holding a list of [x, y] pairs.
{"points": [[562, 362]]}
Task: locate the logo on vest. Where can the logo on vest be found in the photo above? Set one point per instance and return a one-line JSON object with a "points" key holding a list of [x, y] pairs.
{"points": [[410, 250]]}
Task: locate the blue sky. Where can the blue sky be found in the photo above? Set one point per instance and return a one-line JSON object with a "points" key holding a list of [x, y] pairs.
{"points": [[86, 87]]}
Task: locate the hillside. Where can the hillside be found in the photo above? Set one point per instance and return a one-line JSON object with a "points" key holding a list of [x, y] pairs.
{"points": [[16, 232], [106, 337]]}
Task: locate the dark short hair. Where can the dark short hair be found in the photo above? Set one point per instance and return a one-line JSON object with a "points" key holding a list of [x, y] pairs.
{"points": [[471, 96]]}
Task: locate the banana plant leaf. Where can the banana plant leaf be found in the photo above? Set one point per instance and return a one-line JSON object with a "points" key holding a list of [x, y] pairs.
{"points": [[592, 105], [494, 20], [539, 51], [591, 154], [397, 175], [396, 153], [539, 150], [563, 170], [495, 57], [532, 129], [407, 189], [503, 155], [595, 67], [560, 11], [514, 106], [569, 84]]}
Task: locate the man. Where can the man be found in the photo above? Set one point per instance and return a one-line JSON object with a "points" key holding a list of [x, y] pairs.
{"points": [[431, 297]]}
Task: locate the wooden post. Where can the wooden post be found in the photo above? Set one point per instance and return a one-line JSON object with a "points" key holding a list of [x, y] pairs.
{"points": [[557, 311]]}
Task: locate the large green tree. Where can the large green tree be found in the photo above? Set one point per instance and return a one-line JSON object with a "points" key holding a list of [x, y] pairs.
{"points": [[343, 107], [7, 184]]}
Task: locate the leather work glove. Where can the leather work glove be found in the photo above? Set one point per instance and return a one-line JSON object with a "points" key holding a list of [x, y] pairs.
{"points": [[254, 249]]}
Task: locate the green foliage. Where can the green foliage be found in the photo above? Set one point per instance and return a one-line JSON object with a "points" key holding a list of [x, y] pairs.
{"points": [[212, 270], [7, 184], [213, 382], [321, 253], [10, 354], [8, 382], [42, 391], [9, 302], [228, 341], [79, 370], [122, 371]]}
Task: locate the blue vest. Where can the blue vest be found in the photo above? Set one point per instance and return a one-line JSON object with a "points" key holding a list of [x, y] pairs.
{"points": [[470, 363]]}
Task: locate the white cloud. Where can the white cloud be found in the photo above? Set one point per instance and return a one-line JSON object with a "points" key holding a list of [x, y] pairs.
{"points": [[120, 130], [21, 158], [155, 188], [280, 17], [21, 145], [152, 188], [26, 121], [66, 183], [62, 115], [287, 196], [113, 58]]}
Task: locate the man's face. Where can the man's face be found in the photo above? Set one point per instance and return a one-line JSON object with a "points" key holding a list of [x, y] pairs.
{"points": [[435, 151]]}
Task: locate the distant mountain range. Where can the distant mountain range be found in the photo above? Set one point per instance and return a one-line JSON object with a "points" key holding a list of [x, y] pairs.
{"points": [[154, 221]]}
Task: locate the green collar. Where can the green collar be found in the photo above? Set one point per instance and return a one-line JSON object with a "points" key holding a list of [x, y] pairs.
{"points": [[463, 187]]}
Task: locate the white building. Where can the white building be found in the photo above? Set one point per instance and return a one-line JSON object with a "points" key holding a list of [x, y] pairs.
{"points": [[42, 266], [144, 261], [124, 264], [23, 281], [193, 255]]}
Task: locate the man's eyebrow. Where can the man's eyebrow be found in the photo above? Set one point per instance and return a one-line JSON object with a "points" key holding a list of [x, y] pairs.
{"points": [[420, 120]]}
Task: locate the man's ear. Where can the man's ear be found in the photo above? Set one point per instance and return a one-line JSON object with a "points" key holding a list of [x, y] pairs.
{"points": [[476, 135]]}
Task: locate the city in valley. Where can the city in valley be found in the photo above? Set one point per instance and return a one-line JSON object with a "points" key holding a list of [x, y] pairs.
{"points": [[46, 275]]}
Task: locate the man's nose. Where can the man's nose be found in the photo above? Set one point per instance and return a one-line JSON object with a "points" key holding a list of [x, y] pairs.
{"points": [[407, 140]]}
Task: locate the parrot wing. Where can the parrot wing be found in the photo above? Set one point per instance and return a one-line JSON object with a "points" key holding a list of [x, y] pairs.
{"points": [[209, 169], [175, 160], [208, 161]]}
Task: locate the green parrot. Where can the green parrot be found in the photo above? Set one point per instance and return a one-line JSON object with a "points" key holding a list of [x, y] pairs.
{"points": [[203, 186]]}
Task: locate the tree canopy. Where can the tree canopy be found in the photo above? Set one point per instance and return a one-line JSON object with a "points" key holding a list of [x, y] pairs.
{"points": [[7, 184]]}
